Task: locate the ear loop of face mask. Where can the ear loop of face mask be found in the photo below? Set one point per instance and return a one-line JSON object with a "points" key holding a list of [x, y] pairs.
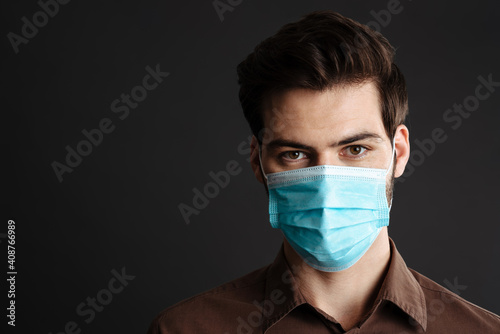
{"points": [[260, 162], [392, 156], [390, 167]]}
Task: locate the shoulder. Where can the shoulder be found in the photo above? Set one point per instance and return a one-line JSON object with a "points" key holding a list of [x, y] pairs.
{"points": [[216, 308], [445, 307]]}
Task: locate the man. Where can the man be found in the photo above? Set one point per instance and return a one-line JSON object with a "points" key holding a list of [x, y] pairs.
{"points": [[326, 105]]}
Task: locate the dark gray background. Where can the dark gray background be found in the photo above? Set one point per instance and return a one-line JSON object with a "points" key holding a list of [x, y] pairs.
{"points": [[119, 208]]}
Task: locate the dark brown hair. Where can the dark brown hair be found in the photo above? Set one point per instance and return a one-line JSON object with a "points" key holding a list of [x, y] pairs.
{"points": [[319, 51]]}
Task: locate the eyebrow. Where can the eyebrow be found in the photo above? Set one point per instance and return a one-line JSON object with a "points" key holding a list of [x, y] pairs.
{"points": [[360, 136], [276, 143]]}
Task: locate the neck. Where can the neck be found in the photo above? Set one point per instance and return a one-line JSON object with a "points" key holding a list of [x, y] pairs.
{"points": [[346, 295]]}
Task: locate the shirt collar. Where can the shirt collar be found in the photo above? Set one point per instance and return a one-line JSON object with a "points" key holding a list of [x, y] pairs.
{"points": [[402, 289], [399, 287], [280, 281]]}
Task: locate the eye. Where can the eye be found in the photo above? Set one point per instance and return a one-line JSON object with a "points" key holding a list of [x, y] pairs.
{"points": [[293, 155], [354, 150]]}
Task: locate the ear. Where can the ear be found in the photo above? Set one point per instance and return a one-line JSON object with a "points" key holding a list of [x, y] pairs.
{"points": [[402, 139], [254, 159]]}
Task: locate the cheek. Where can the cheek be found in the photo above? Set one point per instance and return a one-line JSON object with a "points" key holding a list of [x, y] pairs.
{"points": [[273, 164], [389, 185]]}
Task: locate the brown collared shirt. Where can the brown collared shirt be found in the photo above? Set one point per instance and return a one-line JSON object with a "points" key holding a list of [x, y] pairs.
{"points": [[266, 301]]}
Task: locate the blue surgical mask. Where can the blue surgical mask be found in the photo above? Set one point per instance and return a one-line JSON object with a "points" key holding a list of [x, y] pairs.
{"points": [[330, 215]]}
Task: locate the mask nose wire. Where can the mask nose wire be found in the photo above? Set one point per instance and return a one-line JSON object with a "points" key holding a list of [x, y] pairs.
{"points": [[260, 162], [387, 171]]}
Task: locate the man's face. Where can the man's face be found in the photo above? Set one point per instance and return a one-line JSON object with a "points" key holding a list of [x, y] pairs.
{"points": [[342, 127]]}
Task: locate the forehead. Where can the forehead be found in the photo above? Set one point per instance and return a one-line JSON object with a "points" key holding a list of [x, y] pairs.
{"points": [[331, 114]]}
